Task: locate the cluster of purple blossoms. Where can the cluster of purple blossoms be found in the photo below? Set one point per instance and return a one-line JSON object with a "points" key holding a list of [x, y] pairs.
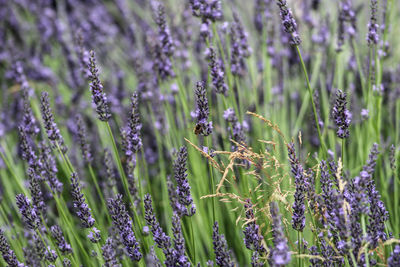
{"points": [[288, 22], [346, 16], [98, 96], [123, 223], [222, 253], [207, 9], [29, 122], [203, 126], [134, 141], [394, 259], [53, 133], [341, 115], [245, 49], [217, 74], [162, 45], [184, 205], [179, 242], [28, 154], [49, 168], [238, 66], [162, 240], [109, 254], [28, 212], [8, 254], [58, 236], [252, 237], [82, 208], [237, 129], [373, 27], [298, 219], [36, 192], [280, 254], [82, 137]]}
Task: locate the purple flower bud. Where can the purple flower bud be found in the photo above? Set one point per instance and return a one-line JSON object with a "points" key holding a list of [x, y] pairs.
{"points": [[203, 126], [109, 254], [288, 22], [252, 237], [185, 203], [58, 236], [28, 212], [179, 242], [222, 253], [53, 133], [341, 115], [298, 218], [123, 222], [8, 254], [98, 96], [82, 208], [373, 27], [82, 137], [394, 259], [217, 74], [280, 254], [94, 235], [162, 240]]}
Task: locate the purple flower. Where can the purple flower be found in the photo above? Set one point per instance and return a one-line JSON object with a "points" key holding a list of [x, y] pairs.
{"points": [[109, 254], [185, 199], [53, 133], [82, 208], [252, 237], [242, 34], [222, 253], [98, 96], [179, 242], [288, 22], [152, 259], [203, 126], [236, 129], [164, 36], [49, 168], [28, 212], [207, 10], [238, 67], [58, 236], [36, 192], [280, 254], [373, 27], [134, 142], [394, 259], [298, 218], [162, 240], [123, 222], [341, 115], [82, 137], [8, 254], [217, 74], [28, 121]]}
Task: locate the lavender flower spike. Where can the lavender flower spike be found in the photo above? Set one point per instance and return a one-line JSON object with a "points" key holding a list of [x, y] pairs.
{"points": [[53, 133], [341, 115], [217, 74], [8, 254], [162, 240], [298, 219], [98, 96], [109, 254], [58, 236], [179, 242], [253, 239], [394, 259], [222, 253], [123, 223], [28, 212], [288, 22], [373, 27], [82, 137], [203, 127], [82, 208], [183, 188], [280, 254], [134, 142]]}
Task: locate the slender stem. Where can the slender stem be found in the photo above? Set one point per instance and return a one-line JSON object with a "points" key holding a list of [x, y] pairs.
{"points": [[310, 91], [364, 229], [99, 192]]}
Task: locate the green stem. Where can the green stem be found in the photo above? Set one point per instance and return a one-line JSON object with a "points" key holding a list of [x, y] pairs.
{"points": [[311, 93]]}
